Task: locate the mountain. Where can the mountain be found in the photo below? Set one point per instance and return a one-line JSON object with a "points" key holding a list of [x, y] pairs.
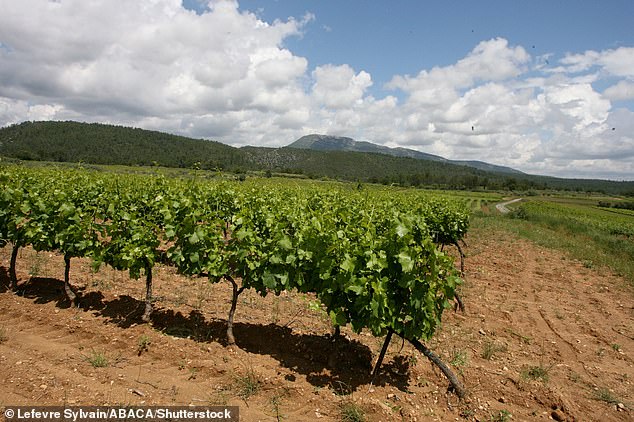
{"points": [[94, 143], [342, 143]]}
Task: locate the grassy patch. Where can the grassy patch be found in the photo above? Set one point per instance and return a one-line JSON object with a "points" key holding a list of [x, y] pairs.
{"points": [[143, 344], [589, 243], [219, 397], [502, 416], [525, 339], [491, 348], [276, 403], [349, 411], [605, 395], [247, 384], [536, 372], [97, 359], [459, 359]]}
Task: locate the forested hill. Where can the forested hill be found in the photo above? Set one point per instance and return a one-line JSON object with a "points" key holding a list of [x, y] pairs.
{"points": [[107, 144]]}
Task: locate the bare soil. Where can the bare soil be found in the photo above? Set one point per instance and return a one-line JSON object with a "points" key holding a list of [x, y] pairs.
{"points": [[543, 337]]}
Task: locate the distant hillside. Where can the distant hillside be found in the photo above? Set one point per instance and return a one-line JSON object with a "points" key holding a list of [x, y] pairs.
{"points": [[340, 143], [364, 166], [107, 144]]}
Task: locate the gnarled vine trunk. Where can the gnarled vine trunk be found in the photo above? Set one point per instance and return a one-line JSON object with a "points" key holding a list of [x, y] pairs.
{"points": [[379, 361], [234, 303], [148, 294], [13, 278], [67, 288], [456, 384]]}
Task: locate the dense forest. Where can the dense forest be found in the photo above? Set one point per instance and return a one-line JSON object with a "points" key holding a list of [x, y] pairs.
{"points": [[108, 144]]}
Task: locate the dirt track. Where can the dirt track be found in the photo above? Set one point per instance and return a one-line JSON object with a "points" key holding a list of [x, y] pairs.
{"points": [[561, 338], [501, 207]]}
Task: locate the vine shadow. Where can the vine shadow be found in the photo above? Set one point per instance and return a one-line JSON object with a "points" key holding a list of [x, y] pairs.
{"points": [[338, 363], [46, 289], [5, 281]]}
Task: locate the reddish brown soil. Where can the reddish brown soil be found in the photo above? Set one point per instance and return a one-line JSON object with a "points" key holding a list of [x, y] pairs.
{"points": [[561, 337]]}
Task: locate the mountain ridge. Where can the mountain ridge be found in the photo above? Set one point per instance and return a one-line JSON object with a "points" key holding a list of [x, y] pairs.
{"points": [[105, 144], [319, 142]]}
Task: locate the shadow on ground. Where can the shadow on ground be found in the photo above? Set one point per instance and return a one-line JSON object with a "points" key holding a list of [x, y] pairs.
{"points": [[326, 361]]}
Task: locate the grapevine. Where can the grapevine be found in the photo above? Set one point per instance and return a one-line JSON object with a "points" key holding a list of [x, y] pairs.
{"points": [[373, 260]]}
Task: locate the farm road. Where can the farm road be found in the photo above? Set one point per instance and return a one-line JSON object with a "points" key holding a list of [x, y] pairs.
{"points": [[501, 207]]}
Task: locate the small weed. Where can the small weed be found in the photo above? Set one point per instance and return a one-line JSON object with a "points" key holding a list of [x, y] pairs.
{"points": [[276, 403], [616, 347], [467, 413], [525, 339], [219, 397], [314, 306], [459, 358], [4, 335], [502, 416], [491, 348], [248, 384], [143, 344], [341, 388], [588, 264], [351, 412], [536, 373], [192, 373], [97, 359], [393, 406], [412, 361], [603, 394]]}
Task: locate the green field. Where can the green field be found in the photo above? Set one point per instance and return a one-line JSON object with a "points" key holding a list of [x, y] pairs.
{"points": [[599, 237]]}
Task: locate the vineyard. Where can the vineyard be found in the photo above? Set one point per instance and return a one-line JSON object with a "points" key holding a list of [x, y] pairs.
{"points": [[374, 260], [308, 300]]}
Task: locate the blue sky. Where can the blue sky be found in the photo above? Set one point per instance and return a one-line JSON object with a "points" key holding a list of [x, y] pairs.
{"points": [[390, 38], [546, 87], [402, 37]]}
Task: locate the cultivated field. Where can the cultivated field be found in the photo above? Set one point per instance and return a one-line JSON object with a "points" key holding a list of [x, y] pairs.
{"points": [[543, 336]]}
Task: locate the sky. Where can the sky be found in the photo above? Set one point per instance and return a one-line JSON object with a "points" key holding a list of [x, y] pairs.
{"points": [[546, 87]]}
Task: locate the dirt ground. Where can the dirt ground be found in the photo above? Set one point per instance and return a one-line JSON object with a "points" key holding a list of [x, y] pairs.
{"points": [[543, 337]]}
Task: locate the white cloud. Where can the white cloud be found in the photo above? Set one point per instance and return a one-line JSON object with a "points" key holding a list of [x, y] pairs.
{"points": [[618, 62], [147, 60], [490, 60], [226, 74], [623, 90], [338, 86], [580, 102]]}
